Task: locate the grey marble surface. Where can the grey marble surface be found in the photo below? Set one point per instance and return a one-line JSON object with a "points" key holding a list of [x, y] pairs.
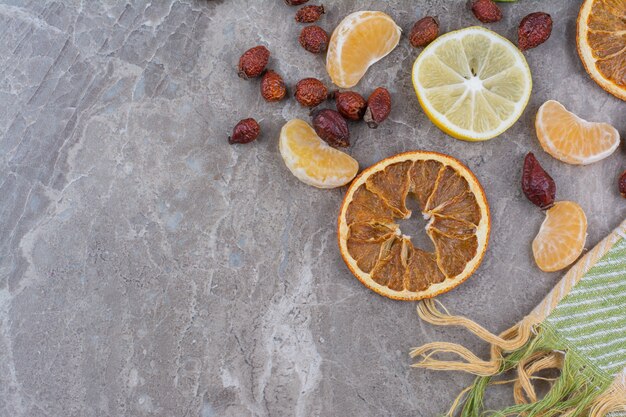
{"points": [[149, 268]]}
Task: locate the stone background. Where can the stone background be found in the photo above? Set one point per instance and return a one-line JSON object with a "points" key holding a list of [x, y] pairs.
{"points": [[149, 268]]}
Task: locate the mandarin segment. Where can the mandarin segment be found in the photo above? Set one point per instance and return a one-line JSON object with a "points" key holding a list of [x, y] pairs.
{"points": [[571, 139], [392, 185], [561, 238], [360, 40], [311, 159]]}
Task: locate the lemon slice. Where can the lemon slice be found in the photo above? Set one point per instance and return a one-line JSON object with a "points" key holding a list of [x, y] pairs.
{"points": [[472, 83], [311, 160]]}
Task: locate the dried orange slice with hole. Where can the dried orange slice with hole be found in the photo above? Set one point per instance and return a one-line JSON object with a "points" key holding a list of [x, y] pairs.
{"points": [[361, 39], [571, 139], [601, 42], [382, 257], [561, 238]]}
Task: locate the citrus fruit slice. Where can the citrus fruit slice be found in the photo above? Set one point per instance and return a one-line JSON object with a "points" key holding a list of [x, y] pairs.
{"points": [[561, 237], [361, 39], [311, 160], [382, 257], [571, 139], [601, 42], [472, 83]]}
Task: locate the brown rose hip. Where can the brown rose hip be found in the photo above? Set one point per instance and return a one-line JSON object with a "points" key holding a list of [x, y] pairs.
{"points": [[272, 86], [310, 92], [252, 63], [309, 14], [350, 105], [378, 107], [538, 186], [622, 184], [534, 30], [314, 39], [332, 128], [295, 2], [424, 31], [487, 11], [245, 131]]}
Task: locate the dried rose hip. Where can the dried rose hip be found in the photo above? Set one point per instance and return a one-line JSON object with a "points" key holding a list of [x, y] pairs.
{"points": [[253, 62], [424, 31], [309, 14], [378, 107], [622, 184], [332, 128], [534, 30], [245, 131], [487, 11], [350, 105], [295, 2], [537, 185], [310, 92], [314, 39], [272, 86]]}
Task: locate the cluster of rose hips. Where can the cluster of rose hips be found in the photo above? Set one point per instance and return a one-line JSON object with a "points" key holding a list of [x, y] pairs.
{"points": [[534, 29], [329, 124]]}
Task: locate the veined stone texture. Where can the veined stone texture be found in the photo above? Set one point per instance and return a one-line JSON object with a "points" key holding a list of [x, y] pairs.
{"points": [[149, 268]]}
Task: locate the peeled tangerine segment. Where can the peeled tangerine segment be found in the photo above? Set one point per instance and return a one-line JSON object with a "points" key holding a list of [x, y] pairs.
{"points": [[385, 260], [472, 83], [571, 139], [312, 160], [361, 39], [561, 238]]}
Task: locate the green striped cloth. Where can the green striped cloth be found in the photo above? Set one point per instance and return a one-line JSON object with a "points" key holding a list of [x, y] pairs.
{"points": [[592, 317], [579, 328]]}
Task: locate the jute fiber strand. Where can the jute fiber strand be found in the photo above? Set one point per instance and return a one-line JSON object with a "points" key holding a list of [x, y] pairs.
{"points": [[579, 329]]}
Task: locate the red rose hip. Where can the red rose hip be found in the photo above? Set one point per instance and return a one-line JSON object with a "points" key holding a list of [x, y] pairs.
{"points": [[246, 131]]}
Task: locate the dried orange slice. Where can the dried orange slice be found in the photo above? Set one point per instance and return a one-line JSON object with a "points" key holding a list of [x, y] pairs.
{"points": [[386, 261], [361, 39], [571, 139], [311, 160], [601, 42], [561, 237]]}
